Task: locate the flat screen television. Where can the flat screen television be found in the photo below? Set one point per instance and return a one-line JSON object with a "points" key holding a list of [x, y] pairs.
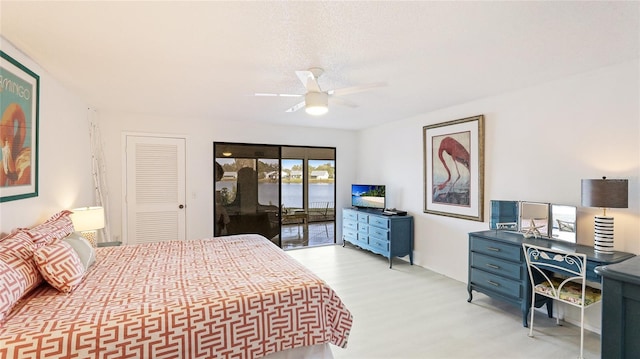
{"points": [[368, 196]]}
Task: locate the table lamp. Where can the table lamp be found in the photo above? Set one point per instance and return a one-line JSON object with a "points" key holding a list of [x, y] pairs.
{"points": [[87, 220], [604, 193]]}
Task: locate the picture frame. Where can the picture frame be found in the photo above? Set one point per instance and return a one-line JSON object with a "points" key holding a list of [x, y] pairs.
{"points": [[19, 111], [454, 168]]}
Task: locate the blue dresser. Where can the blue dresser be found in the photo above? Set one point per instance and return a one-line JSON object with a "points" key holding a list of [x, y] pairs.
{"points": [[498, 269], [390, 236]]}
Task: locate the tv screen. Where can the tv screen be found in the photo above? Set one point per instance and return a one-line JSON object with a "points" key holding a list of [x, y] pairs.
{"points": [[368, 196]]}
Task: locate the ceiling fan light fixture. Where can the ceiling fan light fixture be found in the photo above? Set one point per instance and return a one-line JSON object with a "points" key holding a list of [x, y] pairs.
{"points": [[316, 103]]}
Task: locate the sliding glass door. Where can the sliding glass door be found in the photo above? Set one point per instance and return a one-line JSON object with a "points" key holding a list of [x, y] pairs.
{"points": [[285, 193]]}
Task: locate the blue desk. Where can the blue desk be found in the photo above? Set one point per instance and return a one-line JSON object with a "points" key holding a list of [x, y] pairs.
{"points": [[497, 266], [620, 309]]}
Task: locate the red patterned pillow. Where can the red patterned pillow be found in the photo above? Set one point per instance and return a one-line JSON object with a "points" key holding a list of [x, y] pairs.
{"points": [[60, 266], [54, 229], [18, 271], [11, 286]]}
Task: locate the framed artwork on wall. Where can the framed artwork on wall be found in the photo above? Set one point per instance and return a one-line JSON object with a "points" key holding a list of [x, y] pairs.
{"points": [[19, 97], [454, 168]]}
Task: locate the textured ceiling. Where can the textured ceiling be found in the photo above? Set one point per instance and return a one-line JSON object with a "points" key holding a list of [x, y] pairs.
{"points": [[206, 59]]}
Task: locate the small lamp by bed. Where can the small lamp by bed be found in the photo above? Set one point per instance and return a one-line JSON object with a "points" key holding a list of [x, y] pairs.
{"points": [[604, 193], [88, 220]]}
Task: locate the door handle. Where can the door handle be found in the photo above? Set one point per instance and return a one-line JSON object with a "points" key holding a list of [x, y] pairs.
{"points": [[181, 206]]}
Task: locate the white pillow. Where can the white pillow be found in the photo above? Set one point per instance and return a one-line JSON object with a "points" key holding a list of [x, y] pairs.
{"points": [[81, 245]]}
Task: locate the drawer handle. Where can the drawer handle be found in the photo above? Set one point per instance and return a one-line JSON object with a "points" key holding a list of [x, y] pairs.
{"points": [[493, 266], [493, 283], [494, 249]]}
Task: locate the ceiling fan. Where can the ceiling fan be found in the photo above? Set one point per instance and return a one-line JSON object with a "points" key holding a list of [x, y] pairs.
{"points": [[316, 101]]}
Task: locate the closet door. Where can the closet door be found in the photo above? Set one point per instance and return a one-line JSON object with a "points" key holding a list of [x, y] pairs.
{"points": [[154, 193]]}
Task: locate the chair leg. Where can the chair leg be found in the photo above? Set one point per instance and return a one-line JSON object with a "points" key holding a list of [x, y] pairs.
{"points": [[532, 310], [581, 331]]}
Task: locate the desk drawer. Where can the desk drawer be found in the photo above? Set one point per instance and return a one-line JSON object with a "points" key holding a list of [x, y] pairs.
{"points": [[497, 266], [496, 249], [496, 283]]}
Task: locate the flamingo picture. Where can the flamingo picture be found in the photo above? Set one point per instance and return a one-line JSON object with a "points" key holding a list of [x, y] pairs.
{"points": [[459, 155], [16, 157]]}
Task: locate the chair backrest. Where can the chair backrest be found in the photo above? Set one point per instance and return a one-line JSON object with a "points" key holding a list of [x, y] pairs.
{"points": [[542, 261]]}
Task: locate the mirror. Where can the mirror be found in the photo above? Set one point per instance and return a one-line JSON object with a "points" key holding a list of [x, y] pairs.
{"points": [[504, 215], [535, 219], [563, 222]]}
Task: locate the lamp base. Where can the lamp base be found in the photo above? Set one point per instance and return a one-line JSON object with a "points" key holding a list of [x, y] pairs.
{"points": [[603, 234], [90, 236]]}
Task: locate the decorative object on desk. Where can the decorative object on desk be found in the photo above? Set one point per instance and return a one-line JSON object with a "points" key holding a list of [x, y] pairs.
{"points": [[533, 230], [454, 168], [604, 193], [88, 220], [534, 219], [19, 96]]}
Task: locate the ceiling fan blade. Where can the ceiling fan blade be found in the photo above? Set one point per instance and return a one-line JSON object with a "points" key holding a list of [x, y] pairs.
{"points": [[308, 80], [296, 107], [343, 102], [264, 94], [355, 89]]}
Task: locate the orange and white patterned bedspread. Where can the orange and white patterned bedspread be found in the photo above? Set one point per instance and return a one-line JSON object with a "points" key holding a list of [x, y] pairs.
{"points": [[227, 297]]}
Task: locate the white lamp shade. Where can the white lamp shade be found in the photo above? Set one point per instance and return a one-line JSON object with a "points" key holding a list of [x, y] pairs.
{"points": [[87, 218]]}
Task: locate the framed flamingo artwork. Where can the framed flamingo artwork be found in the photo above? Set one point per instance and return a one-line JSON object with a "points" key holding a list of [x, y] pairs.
{"points": [[454, 168], [19, 95]]}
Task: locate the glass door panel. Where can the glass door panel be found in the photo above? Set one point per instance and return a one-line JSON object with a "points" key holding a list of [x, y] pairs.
{"points": [[294, 230], [247, 195]]}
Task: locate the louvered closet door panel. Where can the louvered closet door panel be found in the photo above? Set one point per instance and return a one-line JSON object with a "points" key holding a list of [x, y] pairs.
{"points": [[155, 194]]}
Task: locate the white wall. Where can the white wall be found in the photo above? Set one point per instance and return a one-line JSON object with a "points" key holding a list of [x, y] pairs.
{"points": [[64, 177], [200, 135], [539, 143]]}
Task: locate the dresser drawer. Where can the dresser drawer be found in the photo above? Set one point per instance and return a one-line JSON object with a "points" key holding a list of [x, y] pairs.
{"points": [[363, 218], [363, 238], [381, 245], [350, 235], [497, 266], [496, 249], [352, 215], [363, 228], [378, 233], [496, 283], [350, 224], [379, 222]]}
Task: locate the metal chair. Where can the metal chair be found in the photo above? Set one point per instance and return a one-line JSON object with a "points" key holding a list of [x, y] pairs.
{"points": [[561, 276]]}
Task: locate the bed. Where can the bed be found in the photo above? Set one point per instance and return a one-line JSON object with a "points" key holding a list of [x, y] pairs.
{"points": [[226, 297]]}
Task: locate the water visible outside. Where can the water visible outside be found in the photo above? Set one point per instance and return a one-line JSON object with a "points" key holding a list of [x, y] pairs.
{"points": [[291, 192]]}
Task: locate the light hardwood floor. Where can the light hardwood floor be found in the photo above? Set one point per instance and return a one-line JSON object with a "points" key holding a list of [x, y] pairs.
{"points": [[412, 312]]}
